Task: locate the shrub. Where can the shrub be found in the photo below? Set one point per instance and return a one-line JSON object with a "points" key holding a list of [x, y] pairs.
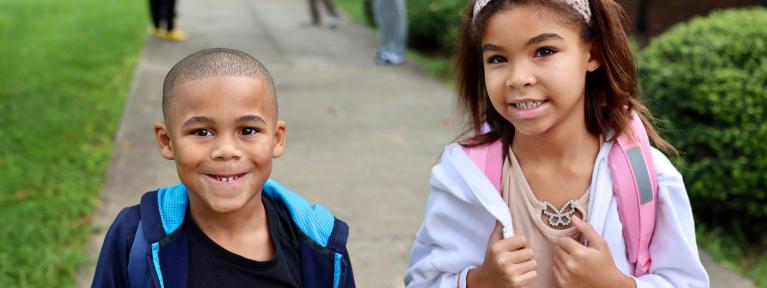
{"points": [[706, 82], [433, 24]]}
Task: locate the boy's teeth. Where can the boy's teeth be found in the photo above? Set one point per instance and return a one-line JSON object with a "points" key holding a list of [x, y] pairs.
{"points": [[227, 179]]}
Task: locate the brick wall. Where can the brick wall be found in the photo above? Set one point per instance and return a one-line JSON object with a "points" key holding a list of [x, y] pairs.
{"points": [[662, 14]]}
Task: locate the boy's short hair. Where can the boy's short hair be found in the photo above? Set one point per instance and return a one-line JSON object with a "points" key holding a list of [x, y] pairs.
{"points": [[215, 62]]}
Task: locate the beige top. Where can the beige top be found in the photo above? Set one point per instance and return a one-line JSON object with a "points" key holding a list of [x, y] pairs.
{"points": [[530, 220]]}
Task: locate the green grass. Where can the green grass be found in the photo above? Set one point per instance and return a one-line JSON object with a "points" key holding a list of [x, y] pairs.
{"points": [[66, 68], [352, 8]]}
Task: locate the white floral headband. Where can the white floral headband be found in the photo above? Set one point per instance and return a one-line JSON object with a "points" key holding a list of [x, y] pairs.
{"points": [[582, 6]]}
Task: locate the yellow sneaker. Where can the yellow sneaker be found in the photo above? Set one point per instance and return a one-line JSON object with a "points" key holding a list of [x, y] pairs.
{"points": [[157, 32], [175, 35]]}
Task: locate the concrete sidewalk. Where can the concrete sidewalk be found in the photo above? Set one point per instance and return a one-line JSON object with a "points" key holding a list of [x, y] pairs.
{"points": [[361, 137]]}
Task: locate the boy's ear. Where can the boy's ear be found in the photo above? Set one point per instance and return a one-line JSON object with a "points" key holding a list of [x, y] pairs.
{"points": [[162, 136], [279, 139], [594, 59]]}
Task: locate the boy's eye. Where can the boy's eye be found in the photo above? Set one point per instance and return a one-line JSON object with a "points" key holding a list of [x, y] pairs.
{"points": [[248, 131], [495, 59], [545, 51], [202, 132]]}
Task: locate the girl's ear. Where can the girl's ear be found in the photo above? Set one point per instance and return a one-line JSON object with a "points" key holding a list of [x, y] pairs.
{"points": [[279, 139], [594, 58], [162, 136]]}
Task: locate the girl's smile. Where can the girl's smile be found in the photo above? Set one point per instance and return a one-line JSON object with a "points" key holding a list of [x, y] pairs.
{"points": [[524, 109]]}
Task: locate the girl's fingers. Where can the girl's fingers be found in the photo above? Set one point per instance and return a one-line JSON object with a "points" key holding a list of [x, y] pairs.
{"points": [[497, 234], [524, 279], [569, 245], [516, 257], [561, 256], [557, 274], [512, 243]]}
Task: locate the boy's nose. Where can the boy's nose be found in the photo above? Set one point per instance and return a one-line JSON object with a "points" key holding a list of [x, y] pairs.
{"points": [[226, 148]]}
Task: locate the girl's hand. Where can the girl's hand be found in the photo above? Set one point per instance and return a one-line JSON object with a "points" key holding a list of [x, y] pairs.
{"points": [[508, 263], [576, 265]]}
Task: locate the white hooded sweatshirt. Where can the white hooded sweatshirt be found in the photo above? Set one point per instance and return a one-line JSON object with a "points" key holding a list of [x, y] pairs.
{"points": [[464, 206]]}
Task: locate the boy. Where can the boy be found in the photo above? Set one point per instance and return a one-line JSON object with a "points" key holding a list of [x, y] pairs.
{"points": [[227, 224]]}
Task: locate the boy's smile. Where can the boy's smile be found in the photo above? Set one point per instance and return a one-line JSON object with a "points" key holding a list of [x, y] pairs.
{"points": [[223, 134]]}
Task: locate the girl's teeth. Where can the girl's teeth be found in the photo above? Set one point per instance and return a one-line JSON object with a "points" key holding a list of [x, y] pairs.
{"points": [[529, 105]]}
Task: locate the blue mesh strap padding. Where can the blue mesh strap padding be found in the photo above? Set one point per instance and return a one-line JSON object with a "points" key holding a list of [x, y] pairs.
{"points": [[315, 221], [641, 174], [172, 202], [156, 261], [337, 271]]}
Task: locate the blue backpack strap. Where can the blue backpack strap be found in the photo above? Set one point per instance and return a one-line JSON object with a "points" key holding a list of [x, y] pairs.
{"points": [[137, 261]]}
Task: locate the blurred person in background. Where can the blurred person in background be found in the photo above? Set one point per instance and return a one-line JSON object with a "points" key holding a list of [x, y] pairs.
{"points": [[391, 18], [314, 13], [163, 13]]}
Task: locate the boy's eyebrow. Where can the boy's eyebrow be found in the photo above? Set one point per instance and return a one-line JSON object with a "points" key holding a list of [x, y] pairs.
{"points": [[196, 120], [251, 118], [543, 37]]}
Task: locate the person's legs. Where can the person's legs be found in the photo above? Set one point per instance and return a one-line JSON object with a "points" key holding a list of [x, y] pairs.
{"points": [[154, 13], [391, 18], [333, 21], [331, 7], [314, 13], [170, 14], [399, 40]]}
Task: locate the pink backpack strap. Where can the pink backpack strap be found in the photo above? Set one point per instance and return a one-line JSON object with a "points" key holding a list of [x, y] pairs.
{"points": [[489, 158], [636, 188]]}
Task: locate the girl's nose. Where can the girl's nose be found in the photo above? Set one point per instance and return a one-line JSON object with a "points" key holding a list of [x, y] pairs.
{"points": [[226, 148], [520, 76]]}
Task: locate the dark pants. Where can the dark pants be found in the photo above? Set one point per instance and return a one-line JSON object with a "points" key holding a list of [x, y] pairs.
{"points": [[162, 12], [315, 13]]}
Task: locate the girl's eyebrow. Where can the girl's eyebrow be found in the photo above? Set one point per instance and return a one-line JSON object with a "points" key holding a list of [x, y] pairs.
{"points": [[491, 47], [535, 40], [543, 37]]}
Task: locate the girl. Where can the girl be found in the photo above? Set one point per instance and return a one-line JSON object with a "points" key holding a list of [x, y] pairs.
{"points": [[552, 82]]}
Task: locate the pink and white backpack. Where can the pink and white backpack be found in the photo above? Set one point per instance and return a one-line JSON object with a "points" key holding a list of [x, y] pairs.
{"points": [[635, 185]]}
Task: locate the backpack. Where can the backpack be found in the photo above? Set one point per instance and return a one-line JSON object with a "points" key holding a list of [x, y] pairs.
{"points": [[635, 185]]}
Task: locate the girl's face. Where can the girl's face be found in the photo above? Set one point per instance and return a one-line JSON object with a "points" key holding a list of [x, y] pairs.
{"points": [[535, 70]]}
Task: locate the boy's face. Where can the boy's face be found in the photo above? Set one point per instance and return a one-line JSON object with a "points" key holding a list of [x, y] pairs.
{"points": [[223, 133]]}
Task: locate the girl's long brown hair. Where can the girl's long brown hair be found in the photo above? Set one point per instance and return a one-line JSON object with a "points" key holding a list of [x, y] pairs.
{"points": [[609, 90]]}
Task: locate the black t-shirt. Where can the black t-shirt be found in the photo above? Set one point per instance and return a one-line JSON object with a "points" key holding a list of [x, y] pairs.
{"points": [[210, 265]]}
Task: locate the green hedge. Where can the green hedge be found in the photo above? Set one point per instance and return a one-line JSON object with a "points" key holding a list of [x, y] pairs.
{"points": [[433, 24], [706, 81]]}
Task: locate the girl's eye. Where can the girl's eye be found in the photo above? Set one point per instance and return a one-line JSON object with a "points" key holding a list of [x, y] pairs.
{"points": [[545, 51], [495, 59], [248, 131], [202, 132]]}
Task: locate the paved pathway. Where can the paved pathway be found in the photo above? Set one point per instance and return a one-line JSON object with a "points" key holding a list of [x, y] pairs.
{"points": [[361, 137]]}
